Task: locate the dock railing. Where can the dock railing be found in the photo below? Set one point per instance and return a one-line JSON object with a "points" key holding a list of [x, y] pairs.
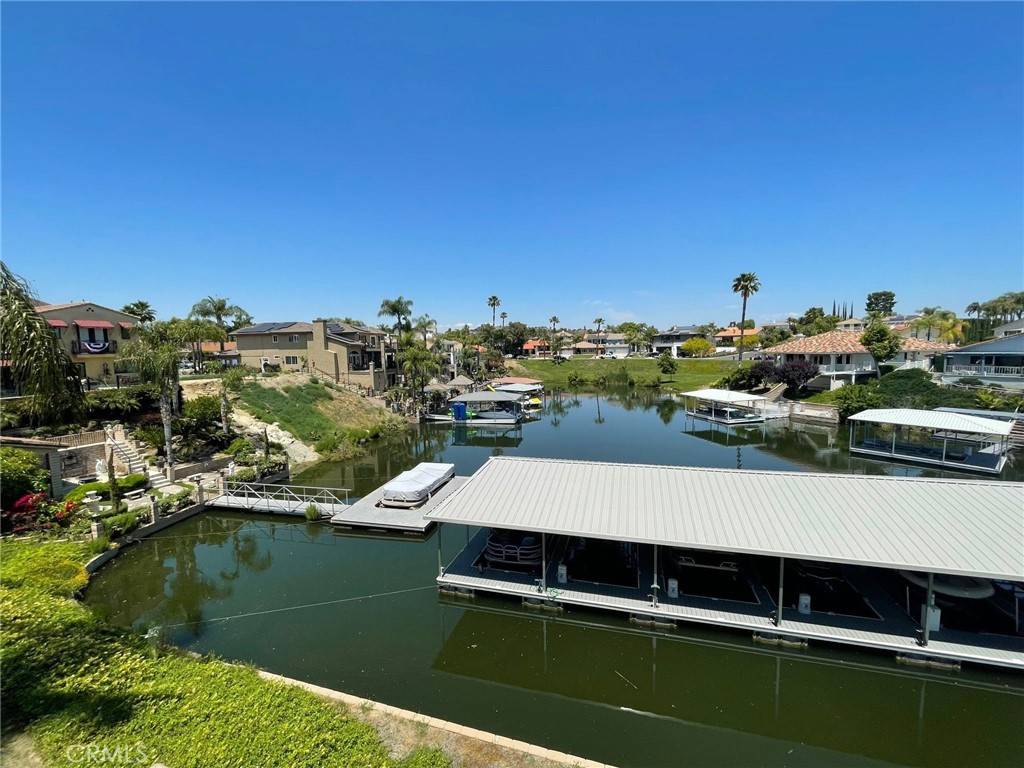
{"points": [[302, 494]]}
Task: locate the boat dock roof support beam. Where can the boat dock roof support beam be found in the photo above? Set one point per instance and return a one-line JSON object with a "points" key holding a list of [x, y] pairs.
{"points": [[654, 584], [778, 606], [440, 562], [926, 614]]}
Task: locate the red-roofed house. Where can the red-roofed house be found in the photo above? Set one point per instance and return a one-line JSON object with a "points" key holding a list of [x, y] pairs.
{"points": [[91, 334], [841, 357], [537, 348]]}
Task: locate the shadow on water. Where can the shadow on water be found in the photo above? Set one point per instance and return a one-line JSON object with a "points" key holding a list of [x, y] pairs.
{"points": [[361, 614]]}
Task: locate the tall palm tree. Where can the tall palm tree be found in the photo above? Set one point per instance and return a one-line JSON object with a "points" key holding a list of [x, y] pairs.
{"points": [[140, 309], [423, 325], [217, 309], [493, 302], [504, 317], [746, 285], [974, 308], [418, 365], [598, 321], [554, 321], [154, 355], [400, 309], [931, 319], [951, 329], [194, 332], [38, 363]]}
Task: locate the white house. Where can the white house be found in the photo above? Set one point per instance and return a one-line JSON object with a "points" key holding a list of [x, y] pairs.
{"points": [[841, 358]]}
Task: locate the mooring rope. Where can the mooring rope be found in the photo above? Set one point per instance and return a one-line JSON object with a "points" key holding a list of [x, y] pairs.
{"points": [[294, 607]]}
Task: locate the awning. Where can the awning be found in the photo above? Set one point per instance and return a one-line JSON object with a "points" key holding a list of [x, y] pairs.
{"points": [[126, 326], [56, 323], [944, 420], [94, 324], [486, 397], [722, 396]]}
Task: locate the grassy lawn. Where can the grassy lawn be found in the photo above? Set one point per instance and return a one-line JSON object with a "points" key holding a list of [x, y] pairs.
{"points": [[73, 682], [316, 415], [690, 373]]}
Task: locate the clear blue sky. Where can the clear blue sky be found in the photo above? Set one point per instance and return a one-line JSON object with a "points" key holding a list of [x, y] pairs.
{"points": [[578, 160]]}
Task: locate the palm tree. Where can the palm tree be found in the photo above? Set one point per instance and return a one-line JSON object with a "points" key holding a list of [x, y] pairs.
{"points": [[598, 321], [154, 355], [554, 321], [38, 363], [419, 364], [232, 378], [931, 319], [140, 309], [745, 284], [217, 309], [493, 302], [194, 332], [400, 309], [951, 329], [423, 325], [504, 317], [974, 308]]}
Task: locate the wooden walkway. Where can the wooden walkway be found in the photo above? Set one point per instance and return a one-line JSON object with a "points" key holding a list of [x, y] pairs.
{"points": [[894, 631], [368, 514]]}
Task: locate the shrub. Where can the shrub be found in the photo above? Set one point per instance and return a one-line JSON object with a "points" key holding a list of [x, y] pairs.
{"points": [[971, 381], [124, 484], [312, 513], [239, 445], [21, 473], [38, 512], [245, 475], [122, 524], [172, 502], [854, 398], [204, 410], [666, 364], [576, 379], [698, 347], [99, 546], [153, 436], [797, 373]]}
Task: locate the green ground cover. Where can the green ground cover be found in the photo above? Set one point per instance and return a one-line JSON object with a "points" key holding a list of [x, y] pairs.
{"points": [[690, 373], [75, 683]]}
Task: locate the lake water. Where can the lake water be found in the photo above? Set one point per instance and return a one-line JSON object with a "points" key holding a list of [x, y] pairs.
{"points": [[361, 614]]}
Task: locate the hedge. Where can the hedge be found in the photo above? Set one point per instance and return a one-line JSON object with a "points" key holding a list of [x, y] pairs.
{"points": [[125, 484]]}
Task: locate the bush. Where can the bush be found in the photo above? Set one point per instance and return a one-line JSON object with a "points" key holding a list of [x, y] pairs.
{"points": [[854, 398], [312, 513], [797, 373], [152, 435], [172, 502], [666, 364], [238, 446], [576, 379], [21, 472], [698, 347], [204, 410], [124, 484], [245, 475], [122, 524]]}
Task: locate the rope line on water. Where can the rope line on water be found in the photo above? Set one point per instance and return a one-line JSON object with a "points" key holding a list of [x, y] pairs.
{"points": [[296, 607]]}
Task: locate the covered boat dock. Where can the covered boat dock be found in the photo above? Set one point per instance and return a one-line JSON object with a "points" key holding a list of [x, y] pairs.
{"points": [[724, 406], [675, 526], [939, 438]]}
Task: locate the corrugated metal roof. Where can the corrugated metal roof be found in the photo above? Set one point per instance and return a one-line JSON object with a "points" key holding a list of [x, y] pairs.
{"points": [[722, 396], [953, 422], [968, 527], [486, 397]]}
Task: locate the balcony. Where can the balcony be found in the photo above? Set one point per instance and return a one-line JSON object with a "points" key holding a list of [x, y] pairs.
{"points": [[93, 347], [985, 370], [829, 368]]}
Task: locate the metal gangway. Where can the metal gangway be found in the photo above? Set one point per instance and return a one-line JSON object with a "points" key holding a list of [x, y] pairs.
{"points": [[287, 499]]}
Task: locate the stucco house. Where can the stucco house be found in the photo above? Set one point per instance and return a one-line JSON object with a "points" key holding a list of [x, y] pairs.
{"points": [[91, 334], [672, 340], [609, 343], [996, 361], [352, 354], [277, 344], [841, 358]]}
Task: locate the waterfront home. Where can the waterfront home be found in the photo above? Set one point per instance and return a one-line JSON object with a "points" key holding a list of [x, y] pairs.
{"points": [[996, 361], [852, 324], [672, 340], [228, 356], [352, 354], [281, 345], [841, 358], [939, 438], [730, 337], [537, 348], [584, 348], [609, 343], [91, 334]]}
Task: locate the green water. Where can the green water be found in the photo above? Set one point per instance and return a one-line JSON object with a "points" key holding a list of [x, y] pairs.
{"points": [[361, 614]]}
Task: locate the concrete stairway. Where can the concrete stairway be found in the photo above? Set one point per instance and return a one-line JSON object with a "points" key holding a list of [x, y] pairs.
{"points": [[128, 454], [1017, 434]]}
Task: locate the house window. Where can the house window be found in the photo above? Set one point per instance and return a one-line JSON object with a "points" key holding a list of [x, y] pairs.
{"points": [[291, 360], [57, 332], [373, 341], [274, 338], [292, 338], [125, 334]]}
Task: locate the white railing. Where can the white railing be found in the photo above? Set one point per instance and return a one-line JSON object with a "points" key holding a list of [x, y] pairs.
{"points": [[846, 368], [300, 494], [77, 439], [986, 370]]}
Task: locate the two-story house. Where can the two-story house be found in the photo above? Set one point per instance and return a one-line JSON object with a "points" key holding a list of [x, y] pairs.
{"points": [[841, 358], [91, 334], [353, 354], [609, 343], [673, 339], [282, 345]]}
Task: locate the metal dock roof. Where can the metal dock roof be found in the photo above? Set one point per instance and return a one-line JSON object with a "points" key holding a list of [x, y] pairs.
{"points": [[968, 527], [944, 420], [722, 396]]}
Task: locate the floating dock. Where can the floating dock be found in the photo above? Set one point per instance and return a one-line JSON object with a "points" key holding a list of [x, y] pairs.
{"points": [[870, 526], [369, 514]]}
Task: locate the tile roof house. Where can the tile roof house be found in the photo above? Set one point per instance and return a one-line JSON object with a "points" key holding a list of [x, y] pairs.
{"points": [[672, 339], [90, 333], [536, 347], [839, 354], [996, 361], [731, 335]]}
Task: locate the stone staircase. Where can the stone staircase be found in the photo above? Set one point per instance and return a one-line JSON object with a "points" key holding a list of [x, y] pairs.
{"points": [[134, 461], [1017, 434]]}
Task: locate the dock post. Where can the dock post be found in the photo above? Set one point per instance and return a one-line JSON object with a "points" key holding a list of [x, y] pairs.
{"points": [[778, 608], [440, 567], [544, 565], [654, 586], [926, 614]]}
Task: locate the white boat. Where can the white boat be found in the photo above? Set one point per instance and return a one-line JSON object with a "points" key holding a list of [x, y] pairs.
{"points": [[968, 587], [414, 486]]}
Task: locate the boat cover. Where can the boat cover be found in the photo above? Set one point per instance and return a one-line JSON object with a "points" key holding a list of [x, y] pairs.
{"points": [[418, 483]]}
